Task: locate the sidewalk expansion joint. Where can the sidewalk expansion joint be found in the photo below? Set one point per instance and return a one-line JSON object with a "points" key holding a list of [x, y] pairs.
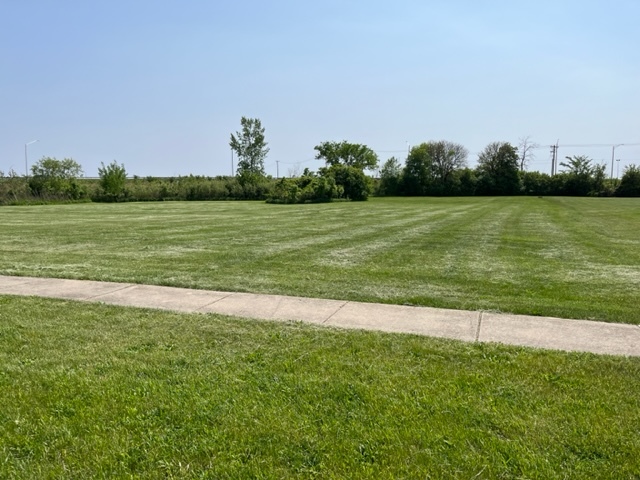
{"points": [[214, 302], [479, 325], [334, 313], [93, 297]]}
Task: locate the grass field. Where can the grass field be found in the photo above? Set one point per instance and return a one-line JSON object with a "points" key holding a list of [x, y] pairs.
{"points": [[565, 257], [95, 391]]}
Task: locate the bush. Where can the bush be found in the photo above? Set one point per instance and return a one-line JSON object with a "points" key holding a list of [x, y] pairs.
{"points": [[306, 189], [112, 180], [13, 188], [537, 183], [192, 188], [54, 179], [465, 181], [355, 184], [630, 182]]}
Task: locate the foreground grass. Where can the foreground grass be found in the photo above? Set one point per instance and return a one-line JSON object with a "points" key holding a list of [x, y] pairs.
{"points": [[565, 257], [94, 391]]}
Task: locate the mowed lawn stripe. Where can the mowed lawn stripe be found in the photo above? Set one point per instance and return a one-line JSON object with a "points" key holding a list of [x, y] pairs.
{"points": [[566, 257], [367, 244]]}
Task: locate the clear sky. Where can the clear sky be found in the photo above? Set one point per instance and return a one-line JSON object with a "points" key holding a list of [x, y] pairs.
{"points": [[160, 85]]}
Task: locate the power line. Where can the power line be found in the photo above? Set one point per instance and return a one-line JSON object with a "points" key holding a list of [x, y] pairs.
{"points": [[293, 163], [589, 145]]}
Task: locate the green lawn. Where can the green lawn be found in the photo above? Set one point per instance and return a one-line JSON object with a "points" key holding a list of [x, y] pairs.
{"points": [[96, 391], [565, 257]]}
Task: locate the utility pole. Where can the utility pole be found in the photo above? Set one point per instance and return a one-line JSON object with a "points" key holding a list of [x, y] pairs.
{"points": [[277, 168], [232, 162], [554, 158]]}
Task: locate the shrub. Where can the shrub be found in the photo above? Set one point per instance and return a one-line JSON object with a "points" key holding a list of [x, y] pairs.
{"points": [[306, 189], [13, 188], [465, 181], [112, 180], [355, 184], [537, 183], [630, 182], [56, 179]]}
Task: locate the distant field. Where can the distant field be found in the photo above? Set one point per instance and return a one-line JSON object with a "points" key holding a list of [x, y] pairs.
{"points": [[566, 257], [95, 391]]}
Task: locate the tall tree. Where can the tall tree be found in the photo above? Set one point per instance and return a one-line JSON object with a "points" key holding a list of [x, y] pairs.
{"points": [[430, 167], [582, 176], [390, 175], [446, 157], [525, 149], [347, 154], [497, 170], [250, 147], [417, 175]]}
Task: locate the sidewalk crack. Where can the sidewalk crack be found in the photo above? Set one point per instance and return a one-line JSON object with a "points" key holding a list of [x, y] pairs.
{"points": [[479, 325], [334, 313]]}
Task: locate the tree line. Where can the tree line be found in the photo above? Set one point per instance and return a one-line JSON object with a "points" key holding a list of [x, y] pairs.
{"points": [[434, 168], [440, 168], [437, 168]]}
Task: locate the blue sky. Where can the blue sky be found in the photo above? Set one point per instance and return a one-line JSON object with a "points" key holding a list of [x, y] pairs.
{"points": [[161, 85]]}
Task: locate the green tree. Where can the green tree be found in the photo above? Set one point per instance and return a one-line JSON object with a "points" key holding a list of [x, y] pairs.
{"points": [[305, 189], [465, 182], [348, 154], [390, 176], [52, 177], [536, 183], [250, 147], [580, 165], [446, 157], [430, 168], [582, 176], [112, 179], [52, 168], [417, 176], [497, 171], [630, 182], [355, 185]]}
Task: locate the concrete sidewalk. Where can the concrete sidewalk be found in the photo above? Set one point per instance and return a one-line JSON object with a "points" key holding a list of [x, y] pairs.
{"points": [[541, 332]]}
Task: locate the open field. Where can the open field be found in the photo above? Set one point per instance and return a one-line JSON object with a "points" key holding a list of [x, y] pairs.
{"points": [[565, 257], [94, 391]]}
